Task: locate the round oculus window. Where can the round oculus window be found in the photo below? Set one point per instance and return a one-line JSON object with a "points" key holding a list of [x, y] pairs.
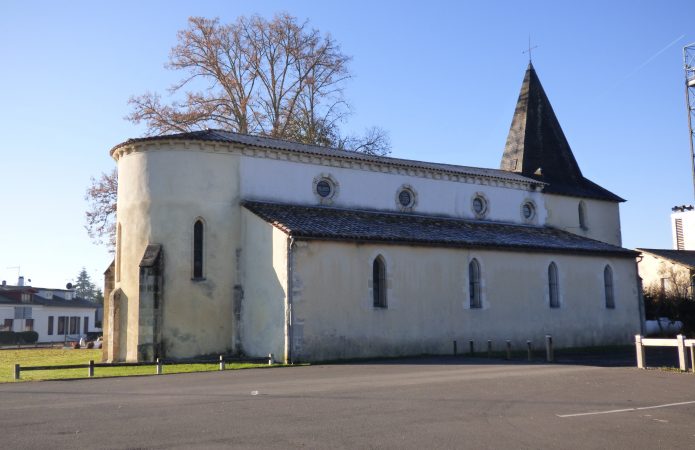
{"points": [[528, 211], [405, 198], [324, 188], [478, 205]]}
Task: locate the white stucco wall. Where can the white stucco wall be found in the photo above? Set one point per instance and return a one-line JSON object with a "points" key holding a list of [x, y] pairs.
{"points": [[165, 186], [292, 182], [161, 195], [602, 217], [688, 223], [264, 282], [41, 313], [659, 273], [428, 300]]}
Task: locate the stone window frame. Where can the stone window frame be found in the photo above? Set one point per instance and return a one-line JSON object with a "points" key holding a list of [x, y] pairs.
{"points": [[379, 283], [413, 198], [581, 213], [195, 275], [534, 211], [486, 205], [609, 287], [335, 188], [553, 286], [475, 297]]}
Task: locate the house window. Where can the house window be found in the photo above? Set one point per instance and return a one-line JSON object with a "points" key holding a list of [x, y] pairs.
{"points": [[198, 250], [29, 325], [528, 211], [608, 286], [7, 325], [474, 284], [379, 282], [581, 210], [553, 286], [86, 325], [50, 325], [74, 325], [22, 312], [61, 325]]}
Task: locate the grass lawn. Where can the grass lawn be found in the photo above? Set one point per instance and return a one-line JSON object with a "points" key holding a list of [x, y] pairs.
{"points": [[57, 357]]}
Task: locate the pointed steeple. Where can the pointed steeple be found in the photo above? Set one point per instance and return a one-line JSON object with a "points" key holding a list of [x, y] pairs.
{"points": [[537, 147]]}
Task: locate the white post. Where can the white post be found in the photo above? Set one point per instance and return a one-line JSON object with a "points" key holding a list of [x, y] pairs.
{"points": [[270, 359], [549, 348], [639, 348], [159, 367], [682, 362], [692, 357], [221, 362]]}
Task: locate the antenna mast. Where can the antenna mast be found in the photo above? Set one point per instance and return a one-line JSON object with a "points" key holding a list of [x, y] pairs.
{"points": [[689, 67]]}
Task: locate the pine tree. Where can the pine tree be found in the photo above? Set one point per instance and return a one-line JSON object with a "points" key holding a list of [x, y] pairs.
{"points": [[84, 287]]}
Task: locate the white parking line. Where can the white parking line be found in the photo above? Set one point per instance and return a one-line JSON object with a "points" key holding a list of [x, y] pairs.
{"points": [[625, 410]]}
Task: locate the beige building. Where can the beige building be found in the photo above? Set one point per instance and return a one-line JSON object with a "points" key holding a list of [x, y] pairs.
{"points": [[229, 243], [667, 272]]}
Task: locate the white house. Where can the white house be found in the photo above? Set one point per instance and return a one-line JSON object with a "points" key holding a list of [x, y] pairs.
{"points": [[252, 245], [56, 315]]}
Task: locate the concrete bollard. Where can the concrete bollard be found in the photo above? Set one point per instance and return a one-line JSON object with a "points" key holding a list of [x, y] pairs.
{"points": [[549, 354], [159, 367], [455, 349], [17, 369], [489, 348], [530, 350], [271, 359], [639, 348], [90, 369], [471, 347], [682, 361], [221, 362], [509, 350]]}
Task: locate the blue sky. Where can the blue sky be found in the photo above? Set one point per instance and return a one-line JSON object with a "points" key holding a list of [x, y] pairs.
{"points": [[441, 77]]}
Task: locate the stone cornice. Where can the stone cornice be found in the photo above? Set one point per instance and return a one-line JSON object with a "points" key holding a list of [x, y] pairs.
{"points": [[323, 160]]}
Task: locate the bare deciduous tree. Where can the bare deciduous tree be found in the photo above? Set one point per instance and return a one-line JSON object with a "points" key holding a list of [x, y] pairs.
{"points": [[101, 214], [278, 78]]}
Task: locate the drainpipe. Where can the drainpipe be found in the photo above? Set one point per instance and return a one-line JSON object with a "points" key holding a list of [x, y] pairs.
{"points": [[289, 356]]}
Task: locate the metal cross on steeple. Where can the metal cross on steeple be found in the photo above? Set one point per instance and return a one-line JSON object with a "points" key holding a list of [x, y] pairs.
{"points": [[529, 48]]}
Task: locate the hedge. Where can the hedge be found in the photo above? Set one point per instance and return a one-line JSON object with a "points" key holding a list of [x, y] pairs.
{"points": [[18, 337]]}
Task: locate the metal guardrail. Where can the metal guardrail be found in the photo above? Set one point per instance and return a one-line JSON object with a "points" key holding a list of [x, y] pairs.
{"points": [[680, 342], [159, 365]]}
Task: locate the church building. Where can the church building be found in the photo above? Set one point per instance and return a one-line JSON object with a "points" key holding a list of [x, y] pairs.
{"points": [[247, 245]]}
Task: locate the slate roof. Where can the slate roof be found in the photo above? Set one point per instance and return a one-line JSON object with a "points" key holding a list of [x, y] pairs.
{"points": [[317, 222], [280, 144], [536, 141], [684, 257], [14, 297]]}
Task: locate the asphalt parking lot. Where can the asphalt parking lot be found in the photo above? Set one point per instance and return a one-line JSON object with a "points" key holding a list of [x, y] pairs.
{"points": [[410, 403]]}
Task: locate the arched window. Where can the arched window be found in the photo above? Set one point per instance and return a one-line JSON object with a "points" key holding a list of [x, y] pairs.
{"points": [[553, 291], [379, 282], [582, 216], [474, 284], [608, 286], [198, 249]]}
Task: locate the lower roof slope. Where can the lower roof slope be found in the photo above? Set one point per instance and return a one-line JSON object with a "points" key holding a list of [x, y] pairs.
{"points": [[318, 222], [683, 257]]}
